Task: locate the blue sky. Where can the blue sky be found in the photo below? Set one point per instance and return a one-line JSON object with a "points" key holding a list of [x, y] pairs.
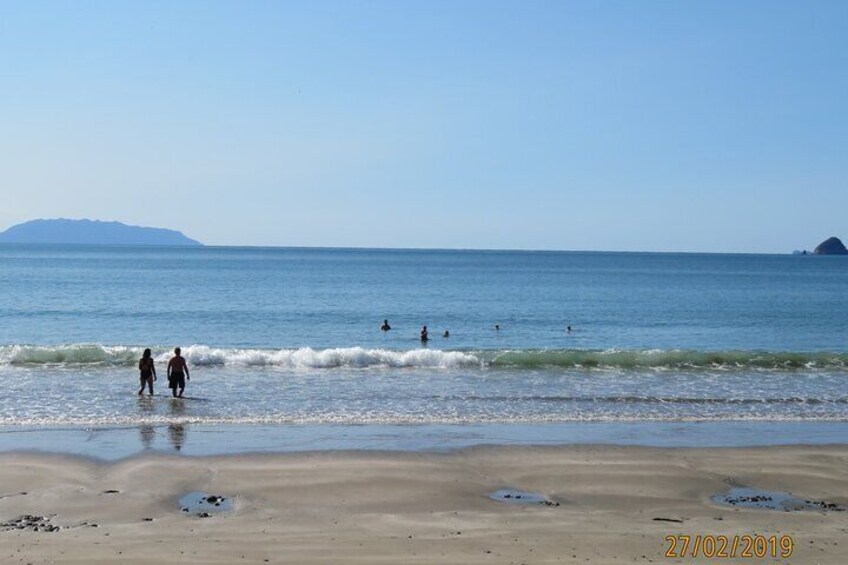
{"points": [[639, 125]]}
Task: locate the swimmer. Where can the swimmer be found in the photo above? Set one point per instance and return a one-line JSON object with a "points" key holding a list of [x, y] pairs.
{"points": [[446, 334], [568, 329], [385, 327], [424, 336], [497, 327]]}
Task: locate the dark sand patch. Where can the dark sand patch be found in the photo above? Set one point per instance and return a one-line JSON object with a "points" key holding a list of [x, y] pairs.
{"points": [[203, 504], [30, 523], [747, 497], [514, 496]]}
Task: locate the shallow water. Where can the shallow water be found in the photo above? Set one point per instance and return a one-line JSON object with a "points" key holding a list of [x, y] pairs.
{"points": [[291, 337]]}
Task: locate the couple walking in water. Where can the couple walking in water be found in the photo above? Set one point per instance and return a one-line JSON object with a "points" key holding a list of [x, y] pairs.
{"points": [[177, 372]]}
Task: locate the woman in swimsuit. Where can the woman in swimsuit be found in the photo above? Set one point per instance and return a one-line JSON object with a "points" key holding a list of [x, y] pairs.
{"points": [[147, 372]]}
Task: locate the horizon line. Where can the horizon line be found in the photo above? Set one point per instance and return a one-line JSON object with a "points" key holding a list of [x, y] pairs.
{"points": [[438, 249]]}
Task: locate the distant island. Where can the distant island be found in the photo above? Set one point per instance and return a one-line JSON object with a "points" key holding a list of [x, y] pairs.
{"points": [[91, 232], [831, 246]]}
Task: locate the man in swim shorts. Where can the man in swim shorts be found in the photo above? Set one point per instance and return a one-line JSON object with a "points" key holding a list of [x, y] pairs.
{"points": [[177, 373]]}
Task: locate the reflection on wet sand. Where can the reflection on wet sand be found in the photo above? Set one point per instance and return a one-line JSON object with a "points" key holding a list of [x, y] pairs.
{"points": [[177, 431], [176, 435], [146, 431], [147, 412]]}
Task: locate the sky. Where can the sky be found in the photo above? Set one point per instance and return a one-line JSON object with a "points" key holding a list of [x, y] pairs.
{"points": [[715, 126]]}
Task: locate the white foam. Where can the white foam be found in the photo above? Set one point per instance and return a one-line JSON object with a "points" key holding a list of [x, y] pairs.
{"points": [[308, 358], [203, 355], [362, 358]]}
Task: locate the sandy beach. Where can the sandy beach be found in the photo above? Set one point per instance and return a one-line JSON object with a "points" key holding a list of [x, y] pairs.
{"points": [[393, 507]]}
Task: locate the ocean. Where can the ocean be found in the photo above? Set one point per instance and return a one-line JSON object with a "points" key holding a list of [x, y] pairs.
{"points": [[285, 348]]}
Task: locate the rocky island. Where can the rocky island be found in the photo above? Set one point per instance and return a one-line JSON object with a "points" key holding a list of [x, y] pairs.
{"points": [[831, 246], [91, 232]]}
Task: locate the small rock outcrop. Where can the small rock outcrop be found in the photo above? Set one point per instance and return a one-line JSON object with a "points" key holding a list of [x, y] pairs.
{"points": [[831, 246]]}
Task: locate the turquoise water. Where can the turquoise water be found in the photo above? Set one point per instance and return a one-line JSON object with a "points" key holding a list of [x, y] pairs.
{"points": [[291, 337]]}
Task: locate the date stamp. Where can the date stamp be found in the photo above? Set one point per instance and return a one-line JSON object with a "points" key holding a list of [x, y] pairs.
{"points": [[728, 547]]}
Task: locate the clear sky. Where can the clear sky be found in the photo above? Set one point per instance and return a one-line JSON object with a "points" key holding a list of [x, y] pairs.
{"points": [[637, 125]]}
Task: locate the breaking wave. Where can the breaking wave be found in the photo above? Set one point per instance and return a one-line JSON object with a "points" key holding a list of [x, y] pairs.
{"points": [[201, 355], [363, 358], [670, 359]]}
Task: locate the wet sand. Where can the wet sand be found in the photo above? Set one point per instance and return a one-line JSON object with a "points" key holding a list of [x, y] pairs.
{"points": [[615, 505]]}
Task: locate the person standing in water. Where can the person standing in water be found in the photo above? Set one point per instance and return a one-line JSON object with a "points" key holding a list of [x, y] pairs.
{"points": [[177, 373], [424, 336], [385, 327], [147, 372]]}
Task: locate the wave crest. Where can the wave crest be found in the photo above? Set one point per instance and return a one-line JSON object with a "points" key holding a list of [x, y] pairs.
{"points": [[202, 355], [680, 359], [363, 358], [308, 358]]}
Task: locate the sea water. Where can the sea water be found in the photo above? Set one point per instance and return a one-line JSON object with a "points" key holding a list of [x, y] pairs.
{"points": [[280, 338]]}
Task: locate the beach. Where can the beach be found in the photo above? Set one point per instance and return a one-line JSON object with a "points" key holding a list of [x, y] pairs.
{"points": [[605, 504]]}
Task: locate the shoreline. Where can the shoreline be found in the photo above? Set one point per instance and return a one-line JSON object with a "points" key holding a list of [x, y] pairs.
{"points": [[609, 504], [197, 440]]}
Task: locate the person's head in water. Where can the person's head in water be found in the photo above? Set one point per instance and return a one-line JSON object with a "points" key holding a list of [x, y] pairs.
{"points": [[177, 351], [497, 327], [446, 334], [146, 354]]}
